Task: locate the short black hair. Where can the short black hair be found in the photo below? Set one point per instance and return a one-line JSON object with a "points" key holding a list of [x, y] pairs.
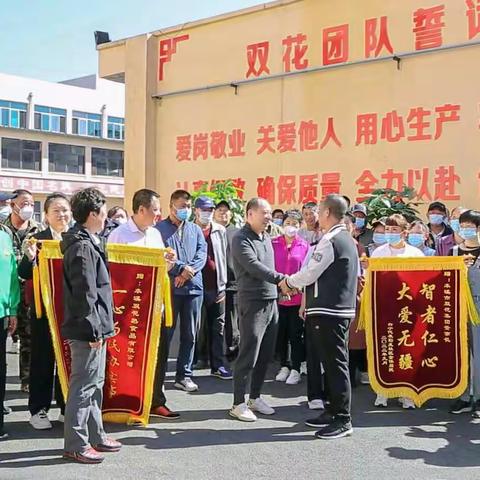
{"points": [[85, 202], [254, 203], [22, 191], [438, 206], [180, 194], [143, 198], [470, 216], [336, 204], [223, 203], [54, 196], [113, 211], [347, 199], [278, 210]]}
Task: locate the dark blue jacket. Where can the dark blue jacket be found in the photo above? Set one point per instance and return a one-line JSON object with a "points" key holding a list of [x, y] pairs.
{"points": [[191, 248]]}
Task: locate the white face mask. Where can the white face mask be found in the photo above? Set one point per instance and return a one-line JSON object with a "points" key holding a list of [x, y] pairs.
{"points": [[26, 213], [290, 231], [5, 211], [121, 220], [205, 217]]}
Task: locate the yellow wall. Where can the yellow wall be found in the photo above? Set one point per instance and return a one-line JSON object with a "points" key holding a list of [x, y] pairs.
{"points": [[216, 52]]}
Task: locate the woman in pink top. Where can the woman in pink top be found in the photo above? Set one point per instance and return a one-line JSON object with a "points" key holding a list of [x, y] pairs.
{"points": [[290, 251]]}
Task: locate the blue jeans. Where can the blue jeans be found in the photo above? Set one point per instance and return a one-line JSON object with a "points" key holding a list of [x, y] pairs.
{"points": [[186, 310]]}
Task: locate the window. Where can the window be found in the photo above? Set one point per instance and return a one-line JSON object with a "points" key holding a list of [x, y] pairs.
{"points": [[107, 162], [66, 158], [116, 128], [37, 211], [21, 154], [50, 119], [89, 124], [13, 114]]}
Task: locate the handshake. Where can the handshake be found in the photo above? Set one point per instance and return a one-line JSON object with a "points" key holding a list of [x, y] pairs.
{"points": [[286, 290]]}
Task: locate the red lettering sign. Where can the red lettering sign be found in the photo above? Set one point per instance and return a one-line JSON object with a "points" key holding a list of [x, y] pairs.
{"points": [[257, 59], [376, 37], [167, 48], [428, 27], [335, 44]]}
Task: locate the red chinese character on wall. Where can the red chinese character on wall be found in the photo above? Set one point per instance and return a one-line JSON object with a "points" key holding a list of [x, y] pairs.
{"points": [[239, 184], [200, 146], [308, 135], [446, 113], [417, 122], [184, 148], [393, 180], [393, 128], [266, 189], [294, 53], [266, 140], [445, 182], [182, 185], [287, 136], [199, 184], [236, 143], [167, 48], [308, 189], [330, 135], [257, 59], [415, 177], [376, 37], [218, 144], [428, 27], [473, 15], [330, 183], [335, 44], [366, 183], [367, 130], [286, 189]]}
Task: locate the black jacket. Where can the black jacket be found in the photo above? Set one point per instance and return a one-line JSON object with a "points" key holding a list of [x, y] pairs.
{"points": [[254, 265], [87, 291]]}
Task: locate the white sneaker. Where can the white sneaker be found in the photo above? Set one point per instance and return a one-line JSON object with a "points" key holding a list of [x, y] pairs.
{"points": [[381, 401], [364, 380], [407, 403], [40, 421], [259, 405], [243, 413], [303, 368], [293, 378], [283, 374], [316, 404], [187, 385], [61, 418]]}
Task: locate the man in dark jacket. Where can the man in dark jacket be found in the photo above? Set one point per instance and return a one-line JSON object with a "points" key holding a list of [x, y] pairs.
{"points": [[257, 308], [330, 278], [87, 323]]}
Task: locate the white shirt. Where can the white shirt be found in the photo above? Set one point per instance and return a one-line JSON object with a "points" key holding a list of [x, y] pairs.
{"points": [[129, 234], [387, 251], [55, 234]]}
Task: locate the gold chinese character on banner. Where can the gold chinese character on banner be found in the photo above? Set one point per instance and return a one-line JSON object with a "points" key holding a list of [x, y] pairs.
{"points": [[114, 361], [404, 339], [118, 310], [405, 362], [114, 345], [428, 337], [140, 276], [430, 362], [405, 315], [427, 291], [429, 315], [403, 293]]}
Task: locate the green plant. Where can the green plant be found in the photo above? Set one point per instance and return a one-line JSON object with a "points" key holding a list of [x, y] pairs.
{"points": [[384, 202], [224, 191]]}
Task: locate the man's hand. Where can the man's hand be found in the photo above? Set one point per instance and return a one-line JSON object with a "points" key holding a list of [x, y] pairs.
{"points": [[179, 281], [364, 262], [188, 273], [468, 260], [12, 325], [96, 344], [31, 250], [286, 290], [170, 255]]}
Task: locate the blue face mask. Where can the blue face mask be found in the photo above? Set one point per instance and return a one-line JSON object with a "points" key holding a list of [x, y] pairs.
{"points": [[468, 233], [359, 222], [393, 238], [278, 221], [379, 238], [436, 218], [183, 214], [455, 224], [416, 239]]}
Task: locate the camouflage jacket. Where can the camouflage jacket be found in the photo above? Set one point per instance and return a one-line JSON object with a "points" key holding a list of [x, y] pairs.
{"points": [[7, 226]]}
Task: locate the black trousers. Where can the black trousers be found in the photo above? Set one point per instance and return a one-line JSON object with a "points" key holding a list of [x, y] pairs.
{"points": [[232, 332], [290, 332], [159, 399], [42, 369], [3, 368], [328, 337]]}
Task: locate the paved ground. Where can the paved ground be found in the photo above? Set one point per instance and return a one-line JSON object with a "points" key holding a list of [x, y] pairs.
{"points": [[206, 444]]}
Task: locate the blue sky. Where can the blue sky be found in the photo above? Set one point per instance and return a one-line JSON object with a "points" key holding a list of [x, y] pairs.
{"points": [[53, 39]]}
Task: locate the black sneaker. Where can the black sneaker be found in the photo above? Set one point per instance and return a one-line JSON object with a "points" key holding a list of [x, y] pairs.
{"points": [[322, 420], [337, 429], [476, 410], [461, 406]]}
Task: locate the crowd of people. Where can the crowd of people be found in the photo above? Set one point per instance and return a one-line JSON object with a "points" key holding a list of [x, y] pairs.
{"points": [[283, 285]]}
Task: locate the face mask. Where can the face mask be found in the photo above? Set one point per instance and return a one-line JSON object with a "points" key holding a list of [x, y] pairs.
{"points": [[359, 223], [5, 211], [26, 213], [205, 217], [291, 231], [379, 238], [278, 221], [468, 233], [416, 239], [436, 219], [183, 214], [455, 224], [393, 238]]}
